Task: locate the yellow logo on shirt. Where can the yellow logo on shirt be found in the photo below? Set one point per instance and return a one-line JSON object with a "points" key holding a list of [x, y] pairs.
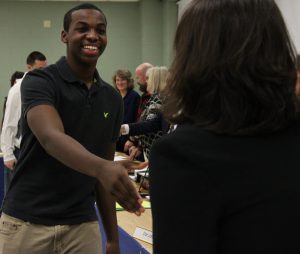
{"points": [[105, 114]]}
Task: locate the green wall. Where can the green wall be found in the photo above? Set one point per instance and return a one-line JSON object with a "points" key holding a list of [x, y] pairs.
{"points": [[137, 32]]}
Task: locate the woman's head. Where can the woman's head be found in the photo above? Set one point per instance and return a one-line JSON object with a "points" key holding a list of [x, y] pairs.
{"points": [[156, 79], [234, 67], [16, 75], [123, 80]]}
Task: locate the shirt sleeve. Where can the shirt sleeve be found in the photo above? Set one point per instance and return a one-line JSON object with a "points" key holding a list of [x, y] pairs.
{"points": [[37, 89]]}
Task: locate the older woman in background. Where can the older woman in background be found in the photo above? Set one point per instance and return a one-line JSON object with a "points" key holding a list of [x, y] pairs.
{"points": [[124, 83]]}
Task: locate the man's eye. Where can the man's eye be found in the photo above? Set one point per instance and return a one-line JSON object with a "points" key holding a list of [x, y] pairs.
{"points": [[101, 31], [82, 29]]}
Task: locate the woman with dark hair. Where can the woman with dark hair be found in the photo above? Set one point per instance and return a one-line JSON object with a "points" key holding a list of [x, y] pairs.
{"points": [[231, 164], [16, 75], [124, 84]]}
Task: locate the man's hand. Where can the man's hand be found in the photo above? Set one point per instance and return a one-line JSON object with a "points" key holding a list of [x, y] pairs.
{"points": [[127, 145], [116, 180], [10, 164]]}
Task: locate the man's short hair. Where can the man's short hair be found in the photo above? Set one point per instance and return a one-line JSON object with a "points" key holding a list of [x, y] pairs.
{"points": [[35, 55], [68, 15]]}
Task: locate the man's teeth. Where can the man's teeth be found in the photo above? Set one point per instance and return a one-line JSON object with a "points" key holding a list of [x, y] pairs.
{"points": [[90, 47]]}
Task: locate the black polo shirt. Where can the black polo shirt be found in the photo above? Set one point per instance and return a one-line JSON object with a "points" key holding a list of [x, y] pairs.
{"points": [[43, 190]]}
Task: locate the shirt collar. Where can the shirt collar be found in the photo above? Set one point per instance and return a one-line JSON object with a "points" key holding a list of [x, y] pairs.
{"points": [[67, 74]]}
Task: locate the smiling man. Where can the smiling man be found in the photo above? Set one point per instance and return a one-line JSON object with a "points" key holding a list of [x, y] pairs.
{"points": [[70, 123]]}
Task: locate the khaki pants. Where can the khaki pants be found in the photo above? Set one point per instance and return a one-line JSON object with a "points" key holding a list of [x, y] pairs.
{"points": [[19, 237]]}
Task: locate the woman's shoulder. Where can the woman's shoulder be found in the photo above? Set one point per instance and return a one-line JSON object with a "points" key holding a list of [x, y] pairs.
{"points": [[133, 93], [154, 100], [182, 134]]}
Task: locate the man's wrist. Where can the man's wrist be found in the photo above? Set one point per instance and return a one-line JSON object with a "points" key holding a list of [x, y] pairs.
{"points": [[8, 157]]}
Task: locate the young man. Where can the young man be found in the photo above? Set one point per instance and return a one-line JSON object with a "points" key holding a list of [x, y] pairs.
{"points": [[70, 122], [10, 135]]}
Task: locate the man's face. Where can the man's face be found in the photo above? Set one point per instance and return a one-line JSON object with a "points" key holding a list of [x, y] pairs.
{"points": [[38, 64], [141, 81], [86, 38]]}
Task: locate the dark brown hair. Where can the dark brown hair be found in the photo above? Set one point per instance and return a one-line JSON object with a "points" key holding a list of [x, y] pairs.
{"points": [[234, 70], [16, 75]]}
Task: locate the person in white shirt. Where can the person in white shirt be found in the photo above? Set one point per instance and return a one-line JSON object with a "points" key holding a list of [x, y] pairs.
{"points": [[10, 138], [16, 75]]}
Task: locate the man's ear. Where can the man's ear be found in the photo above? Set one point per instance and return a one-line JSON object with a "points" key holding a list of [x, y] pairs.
{"points": [[29, 67], [64, 36]]}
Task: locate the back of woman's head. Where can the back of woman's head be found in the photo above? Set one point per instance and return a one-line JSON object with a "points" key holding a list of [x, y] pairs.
{"points": [[234, 68], [16, 75], [157, 79]]}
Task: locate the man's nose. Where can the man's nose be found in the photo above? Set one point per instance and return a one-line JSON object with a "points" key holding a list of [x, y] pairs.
{"points": [[92, 34]]}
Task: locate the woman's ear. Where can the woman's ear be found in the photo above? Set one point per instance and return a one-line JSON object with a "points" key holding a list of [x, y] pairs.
{"points": [[64, 36]]}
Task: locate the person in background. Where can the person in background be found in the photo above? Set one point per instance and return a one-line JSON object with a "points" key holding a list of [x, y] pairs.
{"points": [[141, 79], [156, 82], [16, 75], [10, 133], [124, 84], [70, 124], [231, 166]]}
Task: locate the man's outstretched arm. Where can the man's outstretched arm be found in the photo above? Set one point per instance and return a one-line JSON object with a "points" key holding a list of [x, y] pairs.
{"points": [[47, 126]]}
